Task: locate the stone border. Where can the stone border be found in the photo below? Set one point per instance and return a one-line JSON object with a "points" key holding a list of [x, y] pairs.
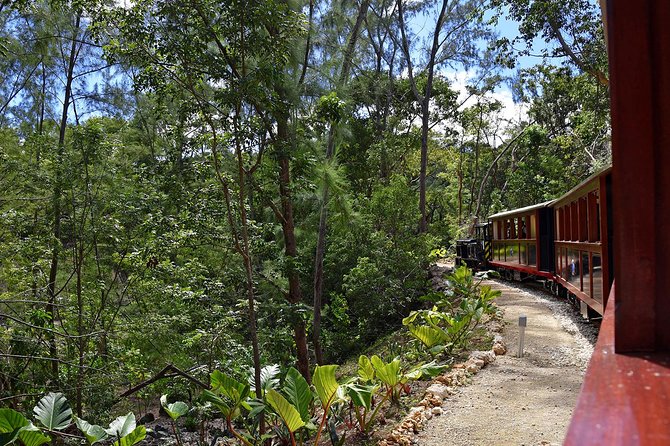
{"points": [[440, 389]]}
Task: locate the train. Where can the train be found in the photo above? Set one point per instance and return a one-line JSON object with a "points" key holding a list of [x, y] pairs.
{"points": [[565, 244]]}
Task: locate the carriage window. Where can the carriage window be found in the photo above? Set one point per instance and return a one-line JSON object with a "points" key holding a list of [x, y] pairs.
{"points": [[594, 222], [512, 253], [597, 274], [583, 220], [597, 194], [565, 272], [532, 226], [586, 274], [523, 254], [532, 254], [574, 222], [572, 268]]}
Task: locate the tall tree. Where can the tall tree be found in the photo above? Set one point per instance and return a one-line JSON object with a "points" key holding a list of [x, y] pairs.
{"points": [[454, 39], [233, 66]]}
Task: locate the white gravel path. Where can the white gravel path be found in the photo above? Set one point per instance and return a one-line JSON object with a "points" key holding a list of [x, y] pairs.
{"points": [[521, 401]]}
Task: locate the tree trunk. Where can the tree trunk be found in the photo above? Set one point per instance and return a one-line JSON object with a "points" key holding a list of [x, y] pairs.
{"points": [[425, 117], [290, 244], [323, 217], [58, 192]]}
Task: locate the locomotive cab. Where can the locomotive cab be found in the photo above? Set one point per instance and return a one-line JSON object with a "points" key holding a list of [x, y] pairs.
{"points": [[475, 252]]}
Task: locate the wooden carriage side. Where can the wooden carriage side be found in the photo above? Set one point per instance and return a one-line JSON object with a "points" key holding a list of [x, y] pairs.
{"points": [[519, 241], [582, 255], [625, 398]]}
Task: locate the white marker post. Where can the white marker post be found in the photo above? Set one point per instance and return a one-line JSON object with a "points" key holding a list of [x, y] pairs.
{"points": [[522, 332]]}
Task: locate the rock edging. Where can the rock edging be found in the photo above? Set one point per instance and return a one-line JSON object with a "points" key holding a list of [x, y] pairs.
{"points": [[440, 389]]}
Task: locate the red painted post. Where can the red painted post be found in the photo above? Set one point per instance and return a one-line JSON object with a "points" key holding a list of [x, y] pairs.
{"points": [[639, 54]]}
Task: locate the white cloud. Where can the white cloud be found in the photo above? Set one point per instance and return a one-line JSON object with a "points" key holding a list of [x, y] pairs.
{"points": [[512, 112]]}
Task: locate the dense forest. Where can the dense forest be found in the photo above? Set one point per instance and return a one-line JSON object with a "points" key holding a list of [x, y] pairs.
{"points": [[231, 184]]}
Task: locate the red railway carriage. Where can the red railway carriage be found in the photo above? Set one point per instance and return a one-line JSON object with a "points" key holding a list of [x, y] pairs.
{"points": [[582, 241], [566, 241], [522, 241]]}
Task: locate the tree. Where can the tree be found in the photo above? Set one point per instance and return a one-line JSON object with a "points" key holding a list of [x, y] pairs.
{"points": [[574, 26], [233, 67], [457, 30]]}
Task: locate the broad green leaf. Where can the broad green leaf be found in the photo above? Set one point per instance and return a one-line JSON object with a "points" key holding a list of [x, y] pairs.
{"points": [[286, 411], [360, 395], [389, 373], [298, 393], [436, 350], [325, 384], [122, 426], [174, 410], [224, 407], [53, 411], [365, 370], [92, 432], [428, 336], [9, 437], [11, 420], [133, 437], [31, 436], [227, 386], [11, 423], [426, 370], [411, 318], [256, 407]]}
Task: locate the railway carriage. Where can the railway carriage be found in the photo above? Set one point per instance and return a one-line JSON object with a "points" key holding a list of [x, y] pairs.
{"points": [[582, 240], [522, 242], [565, 243]]}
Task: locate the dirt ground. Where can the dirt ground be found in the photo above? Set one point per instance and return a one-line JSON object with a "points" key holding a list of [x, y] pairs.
{"points": [[527, 400]]}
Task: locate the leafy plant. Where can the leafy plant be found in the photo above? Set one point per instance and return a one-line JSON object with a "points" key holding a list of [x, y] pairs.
{"points": [[229, 397], [286, 411], [390, 375], [53, 411], [14, 426], [361, 398], [298, 393], [451, 322], [126, 431], [174, 411], [92, 432], [326, 387]]}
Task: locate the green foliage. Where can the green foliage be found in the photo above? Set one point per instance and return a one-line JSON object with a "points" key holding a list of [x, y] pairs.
{"points": [[14, 426], [326, 387], [53, 411], [135, 436], [325, 384], [298, 393], [227, 394], [93, 433], [449, 325], [122, 426], [286, 411], [174, 410]]}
